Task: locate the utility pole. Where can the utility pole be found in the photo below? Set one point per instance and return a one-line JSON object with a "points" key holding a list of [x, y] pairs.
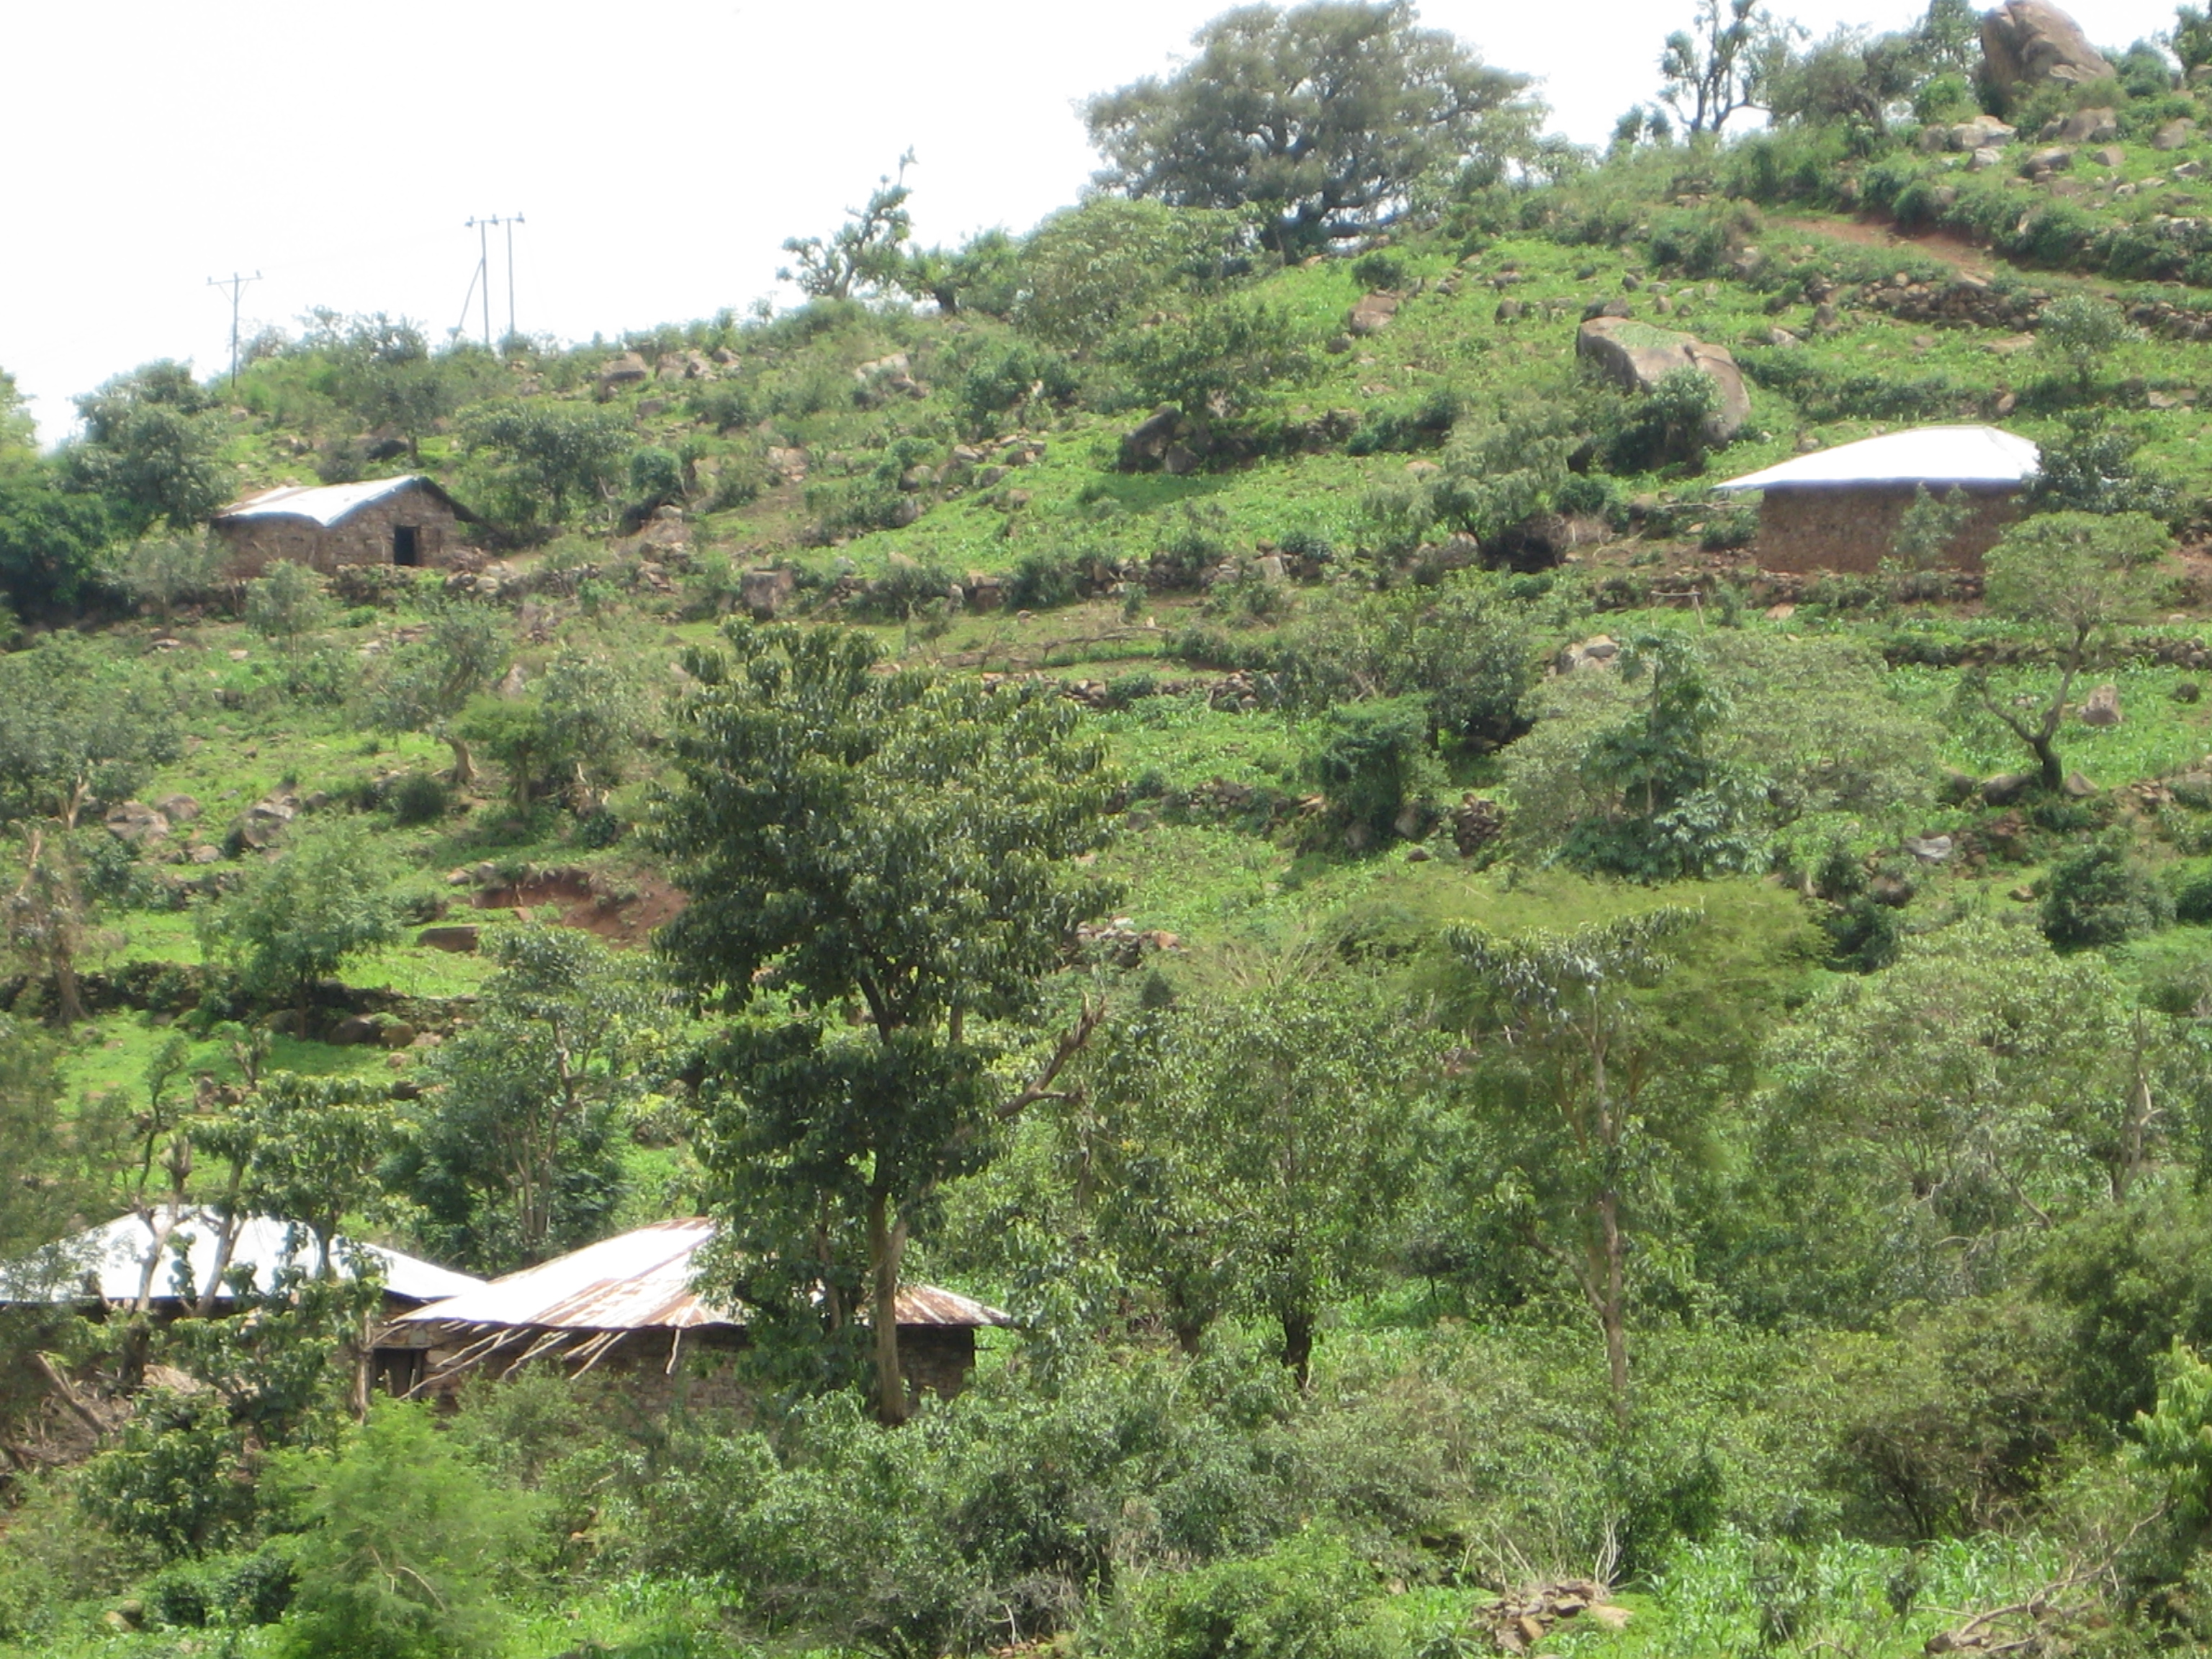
{"points": [[513, 220], [236, 284], [482, 228]]}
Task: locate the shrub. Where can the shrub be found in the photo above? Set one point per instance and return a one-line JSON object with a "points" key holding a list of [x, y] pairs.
{"points": [[1042, 580], [2192, 899], [655, 476], [2098, 895], [1382, 268], [1299, 1600], [404, 1543], [419, 799], [1375, 762]]}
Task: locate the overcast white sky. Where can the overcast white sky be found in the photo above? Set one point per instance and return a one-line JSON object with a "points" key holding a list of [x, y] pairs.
{"points": [[659, 150]]}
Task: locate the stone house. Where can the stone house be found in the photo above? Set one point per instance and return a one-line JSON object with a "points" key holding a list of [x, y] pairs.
{"points": [[1840, 508], [625, 1307], [408, 522]]}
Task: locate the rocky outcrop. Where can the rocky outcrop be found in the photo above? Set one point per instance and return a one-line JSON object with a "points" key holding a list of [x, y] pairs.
{"points": [[1961, 302], [1636, 356], [764, 593], [1372, 315], [2031, 43]]}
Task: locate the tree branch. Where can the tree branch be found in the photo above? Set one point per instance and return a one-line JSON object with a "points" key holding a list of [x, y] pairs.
{"points": [[1071, 1043]]}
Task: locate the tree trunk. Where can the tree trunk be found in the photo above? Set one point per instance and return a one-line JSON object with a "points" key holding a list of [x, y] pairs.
{"points": [[464, 769], [1613, 1312], [885, 1249], [69, 996], [2046, 754], [1299, 1343]]}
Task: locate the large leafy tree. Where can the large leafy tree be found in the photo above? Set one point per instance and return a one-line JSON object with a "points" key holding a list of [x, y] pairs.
{"points": [[1568, 1049], [2073, 577], [75, 724], [1251, 1153], [541, 462], [522, 1134], [296, 920], [865, 254], [424, 685], [1728, 60], [883, 876], [1323, 118], [150, 448]]}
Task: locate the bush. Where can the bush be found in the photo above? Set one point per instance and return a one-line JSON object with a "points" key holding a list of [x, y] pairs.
{"points": [[404, 1543], [1302, 1600], [1376, 766], [2099, 895], [419, 799], [1041, 580]]}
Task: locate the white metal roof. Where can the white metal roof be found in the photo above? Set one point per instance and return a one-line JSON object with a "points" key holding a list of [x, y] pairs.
{"points": [[111, 1261], [324, 503], [1932, 455], [641, 1281]]}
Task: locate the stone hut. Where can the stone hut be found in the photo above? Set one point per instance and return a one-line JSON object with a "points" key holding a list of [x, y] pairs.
{"points": [[625, 1307], [397, 521], [1839, 509]]}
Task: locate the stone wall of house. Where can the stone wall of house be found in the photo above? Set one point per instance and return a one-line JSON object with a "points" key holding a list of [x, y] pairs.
{"points": [[1855, 529], [363, 536]]}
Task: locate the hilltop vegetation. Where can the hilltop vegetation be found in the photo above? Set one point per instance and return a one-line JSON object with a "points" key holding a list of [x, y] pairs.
{"points": [[1192, 773]]}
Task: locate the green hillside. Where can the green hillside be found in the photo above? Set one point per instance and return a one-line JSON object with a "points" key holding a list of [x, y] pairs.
{"points": [[1525, 1079]]}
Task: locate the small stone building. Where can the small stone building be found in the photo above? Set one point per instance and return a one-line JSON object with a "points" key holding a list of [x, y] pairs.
{"points": [[1840, 508], [398, 521], [624, 1307]]}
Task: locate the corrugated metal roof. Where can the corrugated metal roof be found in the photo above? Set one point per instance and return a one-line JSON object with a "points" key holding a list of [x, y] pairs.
{"points": [[110, 1261], [325, 504], [641, 1281], [1931, 455]]}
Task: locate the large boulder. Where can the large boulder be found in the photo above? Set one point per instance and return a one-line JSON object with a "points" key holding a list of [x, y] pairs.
{"points": [[2030, 43], [764, 593], [1372, 315], [1636, 356]]}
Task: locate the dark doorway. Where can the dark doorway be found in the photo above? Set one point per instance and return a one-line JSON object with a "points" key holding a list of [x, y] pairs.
{"points": [[404, 548]]}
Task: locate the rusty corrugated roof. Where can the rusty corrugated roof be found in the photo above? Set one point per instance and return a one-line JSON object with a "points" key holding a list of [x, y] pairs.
{"points": [[641, 1281]]}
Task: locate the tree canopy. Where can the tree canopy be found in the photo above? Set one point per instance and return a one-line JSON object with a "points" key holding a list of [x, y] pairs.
{"points": [[1322, 119]]}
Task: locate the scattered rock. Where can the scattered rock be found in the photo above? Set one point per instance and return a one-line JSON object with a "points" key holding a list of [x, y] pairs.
{"points": [[1371, 315], [351, 1032], [264, 821], [1985, 158], [1983, 132], [1929, 849], [2077, 787], [1598, 652], [1146, 446], [2056, 158], [2174, 134], [2026, 43], [1638, 355], [396, 1034], [764, 593], [2103, 707], [136, 823], [789, 463], [1517, 1623], [2007, 788], [2091, 126], [628, 369], [179, 809], [461, 938], [1476, 823]]}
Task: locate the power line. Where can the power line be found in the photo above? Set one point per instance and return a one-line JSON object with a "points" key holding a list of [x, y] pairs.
{"points": [[482, 283], [236, 284]]}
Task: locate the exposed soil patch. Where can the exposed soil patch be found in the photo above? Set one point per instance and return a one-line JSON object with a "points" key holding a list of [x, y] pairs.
{"points": [[622, 914], [1946, 246]]}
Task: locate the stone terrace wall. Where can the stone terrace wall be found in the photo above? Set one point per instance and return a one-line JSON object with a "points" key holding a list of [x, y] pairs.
{"points": [[1804, 531], [364, 537]]}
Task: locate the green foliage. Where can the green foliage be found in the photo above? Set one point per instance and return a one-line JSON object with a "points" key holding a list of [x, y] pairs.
{"points": [[1727, 61], [297, 920], [1089, 270], [2176, 1438], [518, 1155], [1007, 377], [1375, 762], [542, 461], [1488, 479], [656, 476], [934, 888], [403, 1541], [1929, 526], [150, 450], [165, 572], [1219, 361], [2079, 331], [77, 722], [426, 684], [51, 541], [1248, 124], [176, 1478], [1252, 1155], [862, 255], [289, 605], [1300, 1600], [2100, 895], [2088, 470]]}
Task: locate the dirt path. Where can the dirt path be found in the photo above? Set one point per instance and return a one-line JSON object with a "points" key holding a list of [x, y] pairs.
{"points": [[1945, 246]]}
